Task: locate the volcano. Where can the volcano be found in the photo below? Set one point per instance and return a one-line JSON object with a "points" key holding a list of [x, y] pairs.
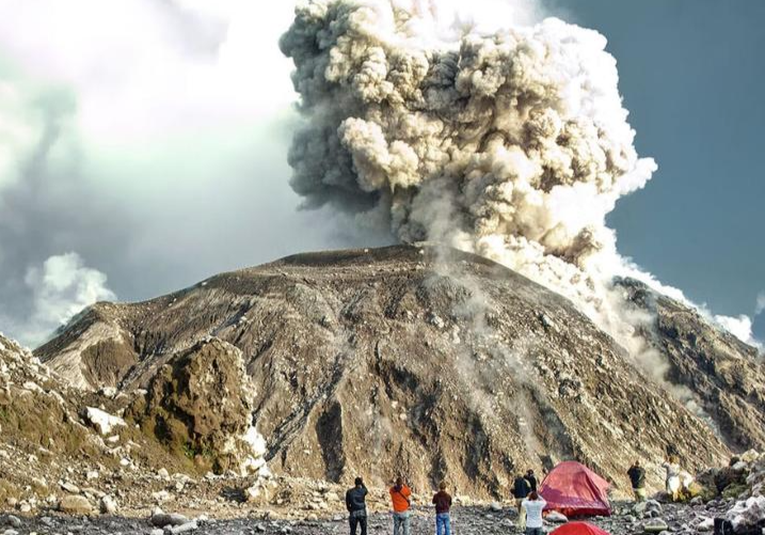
{"points": [[433, 363]]}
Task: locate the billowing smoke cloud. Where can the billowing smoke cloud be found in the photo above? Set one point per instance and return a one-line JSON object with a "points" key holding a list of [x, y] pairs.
{"points": [[512, 144]]}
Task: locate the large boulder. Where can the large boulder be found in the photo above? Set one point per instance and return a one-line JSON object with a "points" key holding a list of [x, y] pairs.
{"points": [[200, 405], [75, 505]]}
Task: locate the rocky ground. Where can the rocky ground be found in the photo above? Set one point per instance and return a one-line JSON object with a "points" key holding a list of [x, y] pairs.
{"points": [[165, 504], [478, 519]]}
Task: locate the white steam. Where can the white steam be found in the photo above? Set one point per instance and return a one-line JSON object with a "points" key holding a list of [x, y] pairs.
{"points": [[62, 286], [512, 144], [741, 327]]}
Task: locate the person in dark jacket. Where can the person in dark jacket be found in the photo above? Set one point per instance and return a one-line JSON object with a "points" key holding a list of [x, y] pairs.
{"points": [[637, 478], [355, 502], [532, 479], [521, 489], [443, 503]]}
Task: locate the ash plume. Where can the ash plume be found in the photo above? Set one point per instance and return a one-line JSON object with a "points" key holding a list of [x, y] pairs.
{"points": [[513, 144]]}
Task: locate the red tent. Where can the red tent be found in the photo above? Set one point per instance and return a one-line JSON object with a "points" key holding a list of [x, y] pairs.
{"points": [[575, 490], [578, 528]]}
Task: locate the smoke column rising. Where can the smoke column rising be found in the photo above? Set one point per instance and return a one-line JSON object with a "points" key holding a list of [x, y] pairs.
{"points": [[512, 143]]}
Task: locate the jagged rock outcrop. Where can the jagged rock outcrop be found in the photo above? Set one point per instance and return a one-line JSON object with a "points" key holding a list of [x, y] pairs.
{"points": [[50, 431], [200, 405], [407, 359], [725, 374]]}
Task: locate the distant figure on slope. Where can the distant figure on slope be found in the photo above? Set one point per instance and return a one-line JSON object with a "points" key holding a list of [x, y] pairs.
{"points": [[636, 474], [532, 479], [521, 489], [443, 503], [400, 496], [533, 507], [673, 478], [355, 502]]}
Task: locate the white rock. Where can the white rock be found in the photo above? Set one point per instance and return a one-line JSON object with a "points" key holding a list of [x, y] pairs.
{"points": [[747, 513], [93, 474], [707, 524], [103, 421], [162, 472], [740, 466], [71, 488], [556, 517], [750, 456], [184, 528], [108, 505], [160, 496]]}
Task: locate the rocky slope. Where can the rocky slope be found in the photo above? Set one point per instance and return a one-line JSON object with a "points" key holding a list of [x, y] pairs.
{"points": [[64, 449], [725, 374], [407, 359]]}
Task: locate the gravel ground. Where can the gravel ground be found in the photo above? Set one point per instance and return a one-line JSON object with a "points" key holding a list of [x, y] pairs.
{"points": [[466, 520]]}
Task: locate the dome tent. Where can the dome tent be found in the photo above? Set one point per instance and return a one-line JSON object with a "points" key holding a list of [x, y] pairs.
{"points": [[578, 528], [574, 490]]}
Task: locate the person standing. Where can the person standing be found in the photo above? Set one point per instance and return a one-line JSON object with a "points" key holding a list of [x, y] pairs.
{"points": [[673, 477], [532, 479], [520, 491], [533, 507], [400, 496], [355, 502], [636, 474], [443, 503]]}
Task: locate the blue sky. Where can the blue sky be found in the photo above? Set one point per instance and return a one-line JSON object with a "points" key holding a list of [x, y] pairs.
{"points": [[692, 75], [147, 144]]}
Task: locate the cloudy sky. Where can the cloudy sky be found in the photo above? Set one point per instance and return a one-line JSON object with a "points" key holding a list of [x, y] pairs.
{"points": [[143, 147]]}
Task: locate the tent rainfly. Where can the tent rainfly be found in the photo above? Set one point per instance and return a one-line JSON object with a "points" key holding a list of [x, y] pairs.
{"points": [[574, 490]]}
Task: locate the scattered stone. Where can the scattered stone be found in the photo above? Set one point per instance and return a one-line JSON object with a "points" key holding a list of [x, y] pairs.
{"points": [[12, 521], [71, 488], [161, 519], [25, 508], [496, 507], [655, 525], [707, 524], [162, 472], [108, 505], [75, 505], [184, 528]]}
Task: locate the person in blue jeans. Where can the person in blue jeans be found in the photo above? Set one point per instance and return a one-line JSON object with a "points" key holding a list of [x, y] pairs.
{"points": [[443, 503]]}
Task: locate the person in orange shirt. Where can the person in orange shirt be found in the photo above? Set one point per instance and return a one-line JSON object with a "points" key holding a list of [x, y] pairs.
{"points": [[400, 496]]}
